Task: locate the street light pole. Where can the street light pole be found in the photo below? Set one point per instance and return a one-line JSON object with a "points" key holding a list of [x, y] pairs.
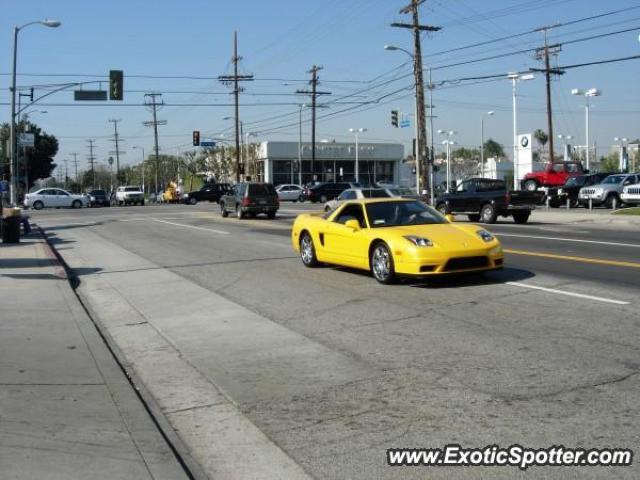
{"points": [[592, 92], [482, 142], [515, 78], [448, 142], [300, 147], [355, 131], [13, 165]]}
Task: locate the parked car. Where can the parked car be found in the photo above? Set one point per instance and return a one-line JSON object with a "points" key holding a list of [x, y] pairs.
{"points": [[210, 192], [356, 194], [290, 192], [485, 199], [98, 198], [395, 237], [55, 198], [323, 192], [250, 199], [631, 194], [402, 192], [608, 191], [129, 195], [555, 174], [558, 196]]}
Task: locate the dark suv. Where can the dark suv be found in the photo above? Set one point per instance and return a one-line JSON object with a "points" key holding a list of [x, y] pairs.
{"points": [[558, 196], [99, 197], [250, 199], [323, 192], [211, 192]]}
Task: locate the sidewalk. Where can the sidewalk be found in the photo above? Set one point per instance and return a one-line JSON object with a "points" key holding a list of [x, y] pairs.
{"points": [[596, 217], [67, 410]]}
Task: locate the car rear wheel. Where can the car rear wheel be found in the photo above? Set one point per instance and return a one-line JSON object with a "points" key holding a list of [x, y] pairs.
{"points": [[223, 210], [193, 201], [488, 213], [308, 251], [38, 205], [239, 212], [301, 198], [323, 199], [76, 204], [609, 201], [531, 185], [521, 217], [382, 265]]}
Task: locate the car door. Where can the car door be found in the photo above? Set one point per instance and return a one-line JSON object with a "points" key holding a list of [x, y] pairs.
{"points": [[46, 196], [63, 199], [458, 197], [345, 245], [285, 193]]}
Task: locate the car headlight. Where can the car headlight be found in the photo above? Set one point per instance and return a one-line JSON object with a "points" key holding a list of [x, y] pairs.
{"points": [[419, 241], [486, 236], [93, 199], [496, 250]]}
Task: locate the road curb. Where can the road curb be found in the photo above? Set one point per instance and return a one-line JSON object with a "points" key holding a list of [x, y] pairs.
{"points": [[183, 456]]}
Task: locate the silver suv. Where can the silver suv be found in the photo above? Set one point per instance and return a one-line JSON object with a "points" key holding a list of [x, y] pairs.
{"points": [[608, 191]]}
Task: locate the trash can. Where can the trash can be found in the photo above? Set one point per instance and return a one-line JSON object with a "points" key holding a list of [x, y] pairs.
{"points": [[11, 225]]}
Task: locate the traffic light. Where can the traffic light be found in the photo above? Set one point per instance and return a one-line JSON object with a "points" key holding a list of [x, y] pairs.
{"points": [[394, 118], [196, 138], [116, 79]]}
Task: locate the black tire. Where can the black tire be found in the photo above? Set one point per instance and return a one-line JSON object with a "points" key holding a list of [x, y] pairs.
{"points": [[239, 213], [531, 185], [301, 198], [271, 215], [38, 205], [442, 208], [521, 217], [488, 213], [193, 201], [608, 202], [474, 217], [223, 210], [142, 203], [323, 199], [381, 264], [76, 204], [308, 251]]}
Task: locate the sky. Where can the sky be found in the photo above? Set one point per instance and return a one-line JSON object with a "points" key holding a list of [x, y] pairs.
{"points": [[180, 48]]}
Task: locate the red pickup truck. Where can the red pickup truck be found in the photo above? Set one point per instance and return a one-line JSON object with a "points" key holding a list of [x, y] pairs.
{"points": [[554, 175]]}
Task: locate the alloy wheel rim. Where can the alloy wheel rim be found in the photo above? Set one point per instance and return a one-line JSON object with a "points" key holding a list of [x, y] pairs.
{"points": [[307, 252], [381, 264]]}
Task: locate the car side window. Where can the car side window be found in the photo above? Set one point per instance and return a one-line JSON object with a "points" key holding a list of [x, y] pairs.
{"points": [[351, 212], [347, 195], [463, 187]]}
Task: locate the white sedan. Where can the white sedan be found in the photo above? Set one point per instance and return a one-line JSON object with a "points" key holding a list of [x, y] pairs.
{"points": [[289, 192], [54, 198], [357, 194]]}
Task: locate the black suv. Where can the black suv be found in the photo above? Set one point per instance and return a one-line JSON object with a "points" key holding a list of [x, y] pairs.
{"points": [[99, 197], [558, 196], [323, 192], [250, 199], [211, 192]]}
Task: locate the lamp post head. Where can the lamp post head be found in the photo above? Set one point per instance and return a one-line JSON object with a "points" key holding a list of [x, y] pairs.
{"points": [[51, 23], [390, 47], [593, 92], [440, 131], [490, 112], [576, 91]]}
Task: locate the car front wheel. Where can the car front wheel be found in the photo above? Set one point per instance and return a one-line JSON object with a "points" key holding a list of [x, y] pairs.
{"points": [[531, 185], [192, 201], [38, 205], [239, 212], [223, 210], [382, 265], [308, 251], [76, 204], [488, 213]]}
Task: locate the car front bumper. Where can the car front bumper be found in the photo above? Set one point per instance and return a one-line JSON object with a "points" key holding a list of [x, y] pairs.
{"points": [[446, 263]]}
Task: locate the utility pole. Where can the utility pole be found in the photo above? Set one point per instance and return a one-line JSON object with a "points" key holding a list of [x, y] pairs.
{"points": [[421, 141], [66, 172], [235, 79], [151, 100], [543, 54], [116, 140], [92, 159], [75, 164], [314, 95]]}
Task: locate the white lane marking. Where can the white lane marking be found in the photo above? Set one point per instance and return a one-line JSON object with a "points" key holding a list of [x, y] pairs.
{"points": [[569, 294], [573, 240], [221, 232]]}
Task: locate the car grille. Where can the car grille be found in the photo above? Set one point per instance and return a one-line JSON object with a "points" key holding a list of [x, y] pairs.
{"points": [[588, 191], [633, 191], [464, 263]]}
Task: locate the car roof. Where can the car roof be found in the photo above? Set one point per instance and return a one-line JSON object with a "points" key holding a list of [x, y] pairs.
{"points": [[381, 200]]}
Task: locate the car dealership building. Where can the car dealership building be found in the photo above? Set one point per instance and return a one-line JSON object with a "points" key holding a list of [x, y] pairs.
{"points": [[279, 163]]}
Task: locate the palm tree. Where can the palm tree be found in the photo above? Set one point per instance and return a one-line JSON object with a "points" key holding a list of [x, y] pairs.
{"points": [[541, 136]]}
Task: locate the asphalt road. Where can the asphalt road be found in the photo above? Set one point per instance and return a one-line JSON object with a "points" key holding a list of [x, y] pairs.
{"points": [[544, 352]]}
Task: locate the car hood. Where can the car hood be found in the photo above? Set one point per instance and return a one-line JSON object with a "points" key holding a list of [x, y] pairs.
{"points": [[445, 235]]}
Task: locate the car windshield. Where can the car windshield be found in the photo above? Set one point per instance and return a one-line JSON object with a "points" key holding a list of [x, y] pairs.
{"points": [[261, 189], [131, 189], [97, 192], [575, 181], [375, 193], [613, 179], [402, 213]]}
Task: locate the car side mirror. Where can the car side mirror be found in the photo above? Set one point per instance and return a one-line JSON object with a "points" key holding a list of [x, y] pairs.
{"points": [[450, 217], [352, 224]]}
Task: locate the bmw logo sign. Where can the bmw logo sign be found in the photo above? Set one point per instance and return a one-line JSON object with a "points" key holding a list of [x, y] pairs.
{"points": [[524, 141]]}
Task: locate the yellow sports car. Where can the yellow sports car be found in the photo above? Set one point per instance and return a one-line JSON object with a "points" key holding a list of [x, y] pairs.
{"points": [[392, 236]]}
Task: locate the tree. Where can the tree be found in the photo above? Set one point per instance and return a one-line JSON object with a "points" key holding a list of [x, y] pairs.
{"points": [[493, 149], [39, 158], [610, 163], [541, 136]]}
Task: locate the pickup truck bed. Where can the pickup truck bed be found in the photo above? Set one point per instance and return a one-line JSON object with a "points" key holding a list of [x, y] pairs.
{"points": [[484, 199]]}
